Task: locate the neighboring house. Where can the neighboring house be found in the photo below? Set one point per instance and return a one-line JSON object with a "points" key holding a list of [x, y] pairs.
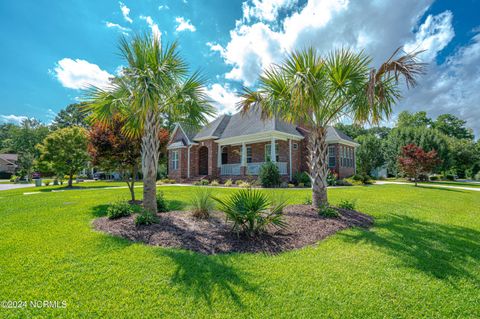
{"points": [[236, 146], [8, 163]]}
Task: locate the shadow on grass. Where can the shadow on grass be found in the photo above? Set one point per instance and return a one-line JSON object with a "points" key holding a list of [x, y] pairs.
{"points": [[73, 188], [441, 188], [437, 250], [201, 276], [100, 210]]}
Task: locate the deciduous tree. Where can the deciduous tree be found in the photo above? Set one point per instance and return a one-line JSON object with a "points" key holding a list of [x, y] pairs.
{"points": [[415, 161]]}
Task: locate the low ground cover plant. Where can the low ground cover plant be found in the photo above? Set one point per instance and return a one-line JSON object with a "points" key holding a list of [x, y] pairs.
{"points": [[162, 205], [328, 211], [120, 209], [145, 218], [252, 211], [347, 204]]}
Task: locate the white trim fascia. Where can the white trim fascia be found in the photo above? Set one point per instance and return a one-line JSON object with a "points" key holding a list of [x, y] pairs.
{"points": [[178, 125], [206, 138], [176, 147], [342, 141], [258, 137], [173, 133]]}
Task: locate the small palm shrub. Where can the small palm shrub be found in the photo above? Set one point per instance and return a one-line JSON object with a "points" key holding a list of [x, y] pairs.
{"points": [[269, 175], [161, 203], [146, 218], [214, 183], [120, 209], [328, 211], [347, 204], [251, 212], [239, 181], [291, 185], [244, 185], [202, 203], [228, 183]]}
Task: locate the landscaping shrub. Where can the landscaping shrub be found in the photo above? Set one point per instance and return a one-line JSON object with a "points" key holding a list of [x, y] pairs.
{"points": [[477, 176], [434, 178], [214, 183], [146, 217], [161, 203], [244, 185], [228, 183], [450, 177], [327, 211], [347, 204], [13, 178], [251, 211], [291, 185], [204, 182], [353, 182], [120, 209], [343, 182], [269, 175], [283, 185], [47, 182], [307, 201], [364, 178], [239, 181], [301, 185], [202, 203], [302, 178], [331, 179]]}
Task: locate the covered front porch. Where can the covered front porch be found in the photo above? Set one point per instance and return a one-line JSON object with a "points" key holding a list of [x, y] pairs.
{"points": [[246, 157]]}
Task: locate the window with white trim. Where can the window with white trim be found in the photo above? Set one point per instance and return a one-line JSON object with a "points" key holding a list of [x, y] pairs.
{"points": [[295, 146], [331, 156], [249, 154], [174, 160], [268, 148]]}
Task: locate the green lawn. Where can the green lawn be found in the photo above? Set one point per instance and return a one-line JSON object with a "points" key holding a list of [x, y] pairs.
{"points": [[421, 259]]}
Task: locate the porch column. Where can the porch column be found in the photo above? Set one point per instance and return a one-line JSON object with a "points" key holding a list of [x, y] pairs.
{"points": [[290, 158], [243, 168], [273, 153], [219, 156]]}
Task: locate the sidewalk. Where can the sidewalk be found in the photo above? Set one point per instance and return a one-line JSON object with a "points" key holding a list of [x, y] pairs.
{"points": [[476, 189]]}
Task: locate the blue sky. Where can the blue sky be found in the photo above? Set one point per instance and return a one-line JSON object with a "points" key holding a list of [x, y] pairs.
{"points": [[51, 49]]}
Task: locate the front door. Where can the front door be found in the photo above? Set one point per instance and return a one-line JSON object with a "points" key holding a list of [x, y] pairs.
{"points": [[203, 161]]}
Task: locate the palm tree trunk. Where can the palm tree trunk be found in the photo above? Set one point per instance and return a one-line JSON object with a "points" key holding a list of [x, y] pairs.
{"points": [[317, 162], [150, 153]]}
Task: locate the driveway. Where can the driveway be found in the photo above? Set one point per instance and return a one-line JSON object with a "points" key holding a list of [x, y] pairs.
{"points": [[6, 187], [475, 189]]}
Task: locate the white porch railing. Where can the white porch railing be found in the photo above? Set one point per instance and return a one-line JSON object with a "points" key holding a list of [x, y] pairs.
{"points": [[230, 169], [252, 168]]}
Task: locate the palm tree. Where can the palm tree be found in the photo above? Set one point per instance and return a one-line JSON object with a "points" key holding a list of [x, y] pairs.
{"points": [[318, 91], [154, 87]]}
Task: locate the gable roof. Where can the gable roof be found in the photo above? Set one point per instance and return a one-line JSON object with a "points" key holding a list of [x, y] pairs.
{"points": [[334, 133]]}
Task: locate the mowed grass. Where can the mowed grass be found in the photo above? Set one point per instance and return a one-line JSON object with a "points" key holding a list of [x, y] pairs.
{"points": [[421, 259]]}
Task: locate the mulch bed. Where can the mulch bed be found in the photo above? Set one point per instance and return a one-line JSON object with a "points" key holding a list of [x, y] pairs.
{"points": [[179, 229]]}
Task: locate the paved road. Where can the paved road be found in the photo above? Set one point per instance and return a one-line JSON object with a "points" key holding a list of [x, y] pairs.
{"points": [[5, 187], [476, 189]]}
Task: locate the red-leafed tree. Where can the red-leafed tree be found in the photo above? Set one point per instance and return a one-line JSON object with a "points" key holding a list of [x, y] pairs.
{"points": [[416, 161], [112, 150]]}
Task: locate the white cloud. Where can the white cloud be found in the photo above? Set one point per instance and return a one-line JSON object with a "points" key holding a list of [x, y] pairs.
{"points": [[216, 47], [117, 26], [184, 25], [266, 10], [153, 26], [163, 7], [433, 36], [451, 87], [79, 74], [125, 12], [223, 98], [16, 119]]}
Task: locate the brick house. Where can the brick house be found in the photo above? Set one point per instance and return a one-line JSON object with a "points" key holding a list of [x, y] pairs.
{"points": [[236, 146]]}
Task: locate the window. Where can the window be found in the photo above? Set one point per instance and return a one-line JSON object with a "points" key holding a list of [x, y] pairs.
{"points": [[295, 146], [249, 154], [268, 148], [331, 156], [174, 160]]}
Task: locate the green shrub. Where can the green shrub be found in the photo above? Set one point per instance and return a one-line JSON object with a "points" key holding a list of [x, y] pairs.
{"points": [[47, 182], [269, 175], [353, 182], [343, 182], [146, 217], [251, 211], [308, 200], [302, 178], [291, 185], [301, 185], [331, 178], [202, 203], [228, 183], [13, 178], [363, 178], [347, 204], [434, 178], [161, 203], [204, 182], [328, 211], [450, 177], [214, 183], [477, 176], [244, 185], [120, 209]]}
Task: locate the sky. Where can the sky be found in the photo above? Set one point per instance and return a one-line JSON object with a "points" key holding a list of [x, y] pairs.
{"points": [[54, 49]]}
